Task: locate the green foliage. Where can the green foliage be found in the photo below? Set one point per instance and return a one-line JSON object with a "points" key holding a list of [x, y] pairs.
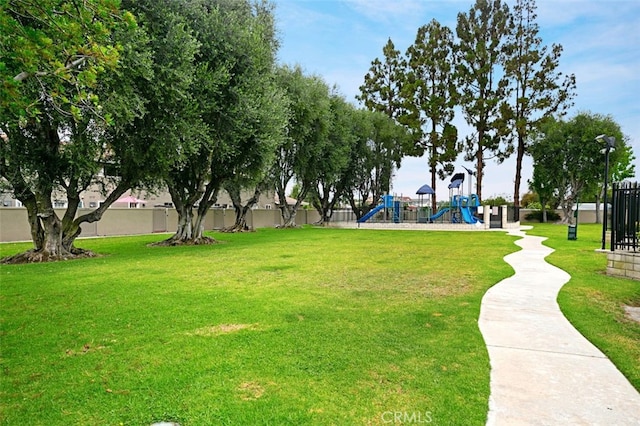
{"points": [[482, 84], [382, 88], [568, 162], [374, 159], [307, 135], [497, 201], [330, 186], [63, 95], [529, 199], [214, 80], [56, 50], [430, 95], [540, 91], [538, 215]]}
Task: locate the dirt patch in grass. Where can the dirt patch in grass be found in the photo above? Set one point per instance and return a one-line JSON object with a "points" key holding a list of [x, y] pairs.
{"points": [[216, 330], [250, 391], [86, 348]]}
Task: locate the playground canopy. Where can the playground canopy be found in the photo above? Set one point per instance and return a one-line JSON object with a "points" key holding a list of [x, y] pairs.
{"points": [[425, 190], [456, 180]]}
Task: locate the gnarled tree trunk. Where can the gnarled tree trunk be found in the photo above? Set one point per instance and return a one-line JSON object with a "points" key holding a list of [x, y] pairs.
{"points": [[241, 210]]}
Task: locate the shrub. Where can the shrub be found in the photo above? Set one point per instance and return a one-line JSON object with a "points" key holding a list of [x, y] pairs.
{"points": [[536, 215]]}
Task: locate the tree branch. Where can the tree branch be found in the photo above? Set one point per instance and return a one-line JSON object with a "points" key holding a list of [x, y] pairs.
{"points": [[24, 75]]}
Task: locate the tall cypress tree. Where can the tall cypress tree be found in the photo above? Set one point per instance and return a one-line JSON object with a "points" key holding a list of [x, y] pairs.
{"points": [[539, 89], [431, 95], [483, 86]]}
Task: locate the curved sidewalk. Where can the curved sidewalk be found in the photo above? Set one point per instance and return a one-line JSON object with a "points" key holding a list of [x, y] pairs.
{"points": [[543, 371]]}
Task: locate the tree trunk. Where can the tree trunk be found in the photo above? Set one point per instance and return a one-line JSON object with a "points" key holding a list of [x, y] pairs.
{"points": [[479, 173], [434, 202], [52, 247], [518, 178], [37, 233], [188, 231], [241, 210], [71, 227], [567, 213], [598, 217], [289, 212]]}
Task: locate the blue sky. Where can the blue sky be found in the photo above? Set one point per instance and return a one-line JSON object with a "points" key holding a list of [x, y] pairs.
{"points": [[338, 39]]}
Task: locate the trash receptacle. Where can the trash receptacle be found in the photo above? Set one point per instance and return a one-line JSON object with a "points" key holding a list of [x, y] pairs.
{"points": [[573, 232]]}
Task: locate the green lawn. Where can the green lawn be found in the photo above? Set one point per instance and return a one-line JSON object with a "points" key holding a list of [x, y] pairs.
{"points": [[593, 301], [307, 326]]}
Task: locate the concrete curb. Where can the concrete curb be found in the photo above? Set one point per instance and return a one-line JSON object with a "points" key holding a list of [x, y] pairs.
{"points": [[543, 371]]}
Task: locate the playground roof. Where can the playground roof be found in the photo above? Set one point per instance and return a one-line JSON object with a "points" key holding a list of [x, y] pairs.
{"points": [[455, 183], [425, 189]]}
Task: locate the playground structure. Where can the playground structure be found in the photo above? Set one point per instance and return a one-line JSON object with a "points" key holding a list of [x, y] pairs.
{"points": [[460, 209], [390, 206]]}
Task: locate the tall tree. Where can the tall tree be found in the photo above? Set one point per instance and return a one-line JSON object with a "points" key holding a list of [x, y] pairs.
{"points": [[334, 158], [374, 158], [306, 137], [483, 86], [251, 179], [568, 162], [431, 96], [231, 104], [171, 109], [59, 125], [539, 89]]}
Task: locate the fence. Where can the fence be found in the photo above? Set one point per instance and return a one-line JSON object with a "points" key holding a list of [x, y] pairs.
{"points": [[625, 216], [14, 225]]}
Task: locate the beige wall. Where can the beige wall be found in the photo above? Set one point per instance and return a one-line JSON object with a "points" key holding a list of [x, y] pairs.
{"points": [[123, 221], [584, 216]]}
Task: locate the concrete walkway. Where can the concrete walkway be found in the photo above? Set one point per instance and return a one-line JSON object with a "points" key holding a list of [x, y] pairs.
{"points": [[543, 371]]}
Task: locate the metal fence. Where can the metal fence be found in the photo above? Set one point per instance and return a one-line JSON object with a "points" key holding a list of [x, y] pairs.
{"points": [[625, 216]]}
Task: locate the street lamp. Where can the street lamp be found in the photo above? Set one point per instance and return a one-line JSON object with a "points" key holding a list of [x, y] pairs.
{"points": [[610, 145]]}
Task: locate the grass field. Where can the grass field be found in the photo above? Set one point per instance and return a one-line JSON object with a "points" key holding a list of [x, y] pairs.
{"points": [[306, 326], [593, 301]]}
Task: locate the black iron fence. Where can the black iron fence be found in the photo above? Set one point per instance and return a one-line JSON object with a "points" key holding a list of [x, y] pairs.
{"points": [[625, 216]]}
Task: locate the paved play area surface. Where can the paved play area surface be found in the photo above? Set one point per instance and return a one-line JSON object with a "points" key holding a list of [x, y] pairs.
{"points": [[543, 371]]}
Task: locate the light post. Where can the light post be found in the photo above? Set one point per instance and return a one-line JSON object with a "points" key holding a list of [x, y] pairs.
{"points": [[610, 145]]}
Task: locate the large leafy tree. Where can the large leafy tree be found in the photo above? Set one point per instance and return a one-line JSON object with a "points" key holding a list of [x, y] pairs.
{"points": [[431, 96], [329, 187], [306, 138], [373, 159], [231, 114], [252, 178], [482, 83], [61, 114], [568, 161], [539, 90]]}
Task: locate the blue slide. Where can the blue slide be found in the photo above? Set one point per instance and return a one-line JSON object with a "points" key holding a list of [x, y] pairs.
{"points": [[440, 213], [371, 212], [468, 217]]}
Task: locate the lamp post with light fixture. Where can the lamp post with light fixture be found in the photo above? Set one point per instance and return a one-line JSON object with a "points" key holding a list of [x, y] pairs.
{"points": [[610, 142]]}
